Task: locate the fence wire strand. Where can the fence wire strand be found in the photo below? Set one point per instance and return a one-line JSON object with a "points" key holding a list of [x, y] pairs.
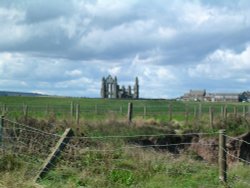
{"points": [[240, 140], [15, 140], [29, 127]]}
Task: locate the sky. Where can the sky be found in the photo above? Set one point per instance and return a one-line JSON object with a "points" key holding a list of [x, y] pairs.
{"points": [[65, 47]]}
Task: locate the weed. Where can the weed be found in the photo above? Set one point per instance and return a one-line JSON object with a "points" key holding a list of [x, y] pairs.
{"points": [[9, 162], [121, 176]]}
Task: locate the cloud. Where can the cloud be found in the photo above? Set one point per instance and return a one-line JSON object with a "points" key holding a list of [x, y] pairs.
{"points": [[231, 63], [67, 46], [74, 73]]}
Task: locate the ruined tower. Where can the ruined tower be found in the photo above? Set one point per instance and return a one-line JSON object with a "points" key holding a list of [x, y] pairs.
{"points": [[111, 89], [136, 89]]}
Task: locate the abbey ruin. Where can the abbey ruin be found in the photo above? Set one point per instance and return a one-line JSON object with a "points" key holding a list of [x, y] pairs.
{"points": [[111, 89]]}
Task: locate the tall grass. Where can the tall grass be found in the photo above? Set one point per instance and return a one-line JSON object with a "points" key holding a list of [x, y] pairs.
{"points": [[126, 167], [99, 109]]}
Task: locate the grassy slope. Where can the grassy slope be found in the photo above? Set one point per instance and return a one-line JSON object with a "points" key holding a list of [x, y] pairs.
{"points": [[128, 167], [98, 108]]}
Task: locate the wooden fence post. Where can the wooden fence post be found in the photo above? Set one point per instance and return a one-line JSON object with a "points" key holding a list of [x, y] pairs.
{"points": [[235, 112], [244, 111], [130, 112], [77, 113], [225, 112], [55, 154], [71, 109], [200, 111], [121, 111], [1, 129], [145, 112], [4, 109], [222, 112], [195, 112], [222, 159], [96, 109], [211, 115], [47, 110], [186, 115], [196, 118], [25, 111], [170, 111]]}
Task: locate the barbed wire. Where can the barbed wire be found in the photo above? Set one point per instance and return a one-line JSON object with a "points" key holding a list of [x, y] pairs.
{"points": [[229, 154], [20, 140], [139, 146], [20, 154], [233, 138], [162, 108], [34, 129], [111, 136], [145, 135], [14, 140], [31, 131], [29, 149]]}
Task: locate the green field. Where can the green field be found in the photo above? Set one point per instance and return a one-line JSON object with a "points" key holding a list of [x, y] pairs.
{"points": [[106, 151], [160, 110]]}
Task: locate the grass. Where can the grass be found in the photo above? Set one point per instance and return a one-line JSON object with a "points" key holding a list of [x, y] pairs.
{"points": [[103, 164], [95, 109], [141, 169], [149, 172], [115, 162], [151, 111]]}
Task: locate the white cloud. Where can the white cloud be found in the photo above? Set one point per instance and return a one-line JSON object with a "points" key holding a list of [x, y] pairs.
{"points": [[167, 32], [224, 64], [67, 46], [114, 70], [12, 31], [11, 15], [196, 14], [74, 73], [119, 36], [109, 8]]}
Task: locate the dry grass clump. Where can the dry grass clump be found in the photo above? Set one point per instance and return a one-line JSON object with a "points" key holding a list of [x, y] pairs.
{"points": [[100, 160]]}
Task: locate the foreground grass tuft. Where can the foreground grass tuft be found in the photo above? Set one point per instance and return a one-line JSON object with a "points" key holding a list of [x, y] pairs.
{"points": [[115, 162]]}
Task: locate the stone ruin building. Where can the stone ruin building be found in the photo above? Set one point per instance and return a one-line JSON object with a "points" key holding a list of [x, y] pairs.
{"points": [[111, 89]]}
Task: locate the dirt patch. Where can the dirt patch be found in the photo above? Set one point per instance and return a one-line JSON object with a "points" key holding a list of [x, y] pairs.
{"points": [[174, 144], [206, 148]]}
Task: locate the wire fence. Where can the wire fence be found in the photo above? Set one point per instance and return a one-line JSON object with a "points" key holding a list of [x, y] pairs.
{"points": [[33, 145], [165, 111]]}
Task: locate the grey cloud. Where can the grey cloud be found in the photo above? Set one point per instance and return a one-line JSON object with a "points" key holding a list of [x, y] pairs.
{"points": [[64, 43], [129, 32], [40, 10]]}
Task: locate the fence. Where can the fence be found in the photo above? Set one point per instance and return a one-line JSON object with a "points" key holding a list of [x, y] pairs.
{"points": [[165, 111], [34, 147]]}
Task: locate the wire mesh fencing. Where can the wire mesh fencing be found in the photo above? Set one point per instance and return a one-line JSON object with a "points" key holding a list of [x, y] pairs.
{"points": [[112, 154]]}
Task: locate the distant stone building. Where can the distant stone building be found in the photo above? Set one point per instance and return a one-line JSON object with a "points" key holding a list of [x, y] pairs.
{"points": [[202, 95], [224, 97], [245, 96], [111, 89], [194, 95]]}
